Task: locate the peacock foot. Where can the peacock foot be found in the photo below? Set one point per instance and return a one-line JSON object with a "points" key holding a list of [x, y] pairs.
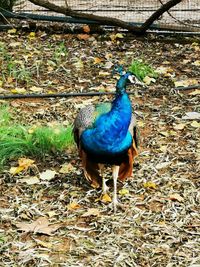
{"points": [[115, 204]]}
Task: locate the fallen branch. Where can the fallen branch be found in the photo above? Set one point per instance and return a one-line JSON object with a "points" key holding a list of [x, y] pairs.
{"points": [[67, 11]]}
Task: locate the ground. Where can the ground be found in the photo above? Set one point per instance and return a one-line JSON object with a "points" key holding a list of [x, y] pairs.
{"points": [[159, 224]]}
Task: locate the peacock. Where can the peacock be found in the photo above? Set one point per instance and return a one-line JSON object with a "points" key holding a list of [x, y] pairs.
{"points": [[107, 134]]}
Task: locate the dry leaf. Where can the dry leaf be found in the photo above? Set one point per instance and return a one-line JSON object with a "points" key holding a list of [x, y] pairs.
{"points": [[31, 35], [47, 175], [140, 123], [103, 73], [184, 83], [36, 89], [180, 126], [166, 71], [86, 28], [191, 116], [195, 92], [196, 63], [30, 181], [15, 44], [24, 164], [195, 124], [162, 165], [41, 225], [147, 80], [97, 60], [124, 192], [150, 184], [43, 243], [67, 168], [73, 206], [177, 197], [12, 31], [83, 36], [106, 198], [16, 170], [19, 91], [91, 212]]}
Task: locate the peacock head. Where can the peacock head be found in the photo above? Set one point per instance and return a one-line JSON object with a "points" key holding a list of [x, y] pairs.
{"points": [[126, 77]]}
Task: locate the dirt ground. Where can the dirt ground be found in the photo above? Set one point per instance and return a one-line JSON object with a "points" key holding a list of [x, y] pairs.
{"points": [[159, 224]]}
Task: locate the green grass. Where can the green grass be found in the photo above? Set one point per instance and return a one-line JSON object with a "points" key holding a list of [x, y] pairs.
{"points": [[141, 70], [25, 141]]}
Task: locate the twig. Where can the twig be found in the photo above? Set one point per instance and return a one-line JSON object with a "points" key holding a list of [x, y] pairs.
{"points": [[19, 96], [191, 87]]}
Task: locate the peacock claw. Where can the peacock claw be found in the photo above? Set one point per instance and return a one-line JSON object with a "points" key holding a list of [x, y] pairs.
{"points": [[114, 205]]}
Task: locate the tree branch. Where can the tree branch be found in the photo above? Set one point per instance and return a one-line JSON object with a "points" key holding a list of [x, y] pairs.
{"points": [[67, 11]]}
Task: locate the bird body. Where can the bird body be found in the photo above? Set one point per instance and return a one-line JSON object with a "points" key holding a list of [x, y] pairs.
{"points": [[106, 134]]}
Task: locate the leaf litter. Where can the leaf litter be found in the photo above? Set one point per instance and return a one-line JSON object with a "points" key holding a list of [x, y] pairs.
{"points": [[61, 223]]}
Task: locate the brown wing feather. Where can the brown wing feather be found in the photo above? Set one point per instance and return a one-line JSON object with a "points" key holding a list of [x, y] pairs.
{"points": [[126, 168]]}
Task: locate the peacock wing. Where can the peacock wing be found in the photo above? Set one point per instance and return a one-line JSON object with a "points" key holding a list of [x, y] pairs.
{"points": [[86, 119]]}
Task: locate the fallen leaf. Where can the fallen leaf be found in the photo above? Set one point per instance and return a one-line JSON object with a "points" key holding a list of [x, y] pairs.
{"points": [[196, 63], [86, 28], [184, 83], [11, 31], [16, 170], [43, 243], [67, 168], [105, 198], [147, 80], [41, 225], [24, 164], [83, 36], [91, 212], [47, 175], [97, 60], [166, 71], [15, 44], [195, 92], [191, 116], [103, 73], [113, 37], [150, 185], [119, 35], [180, 126], [162, 165], [31, 35], [140, 123], [124, 192], [30, 181], [51, 213], [73, 206], [19, 91], [79, 64], [36, 89], [176, 196], [195, 124], [166, 134]]}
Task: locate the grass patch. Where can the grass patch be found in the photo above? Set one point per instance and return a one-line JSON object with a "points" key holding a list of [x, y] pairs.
{"points": [[25, 141], [141, 70]]}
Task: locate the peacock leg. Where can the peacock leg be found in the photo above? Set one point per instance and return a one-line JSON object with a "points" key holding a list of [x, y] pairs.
{"points": [[104, 186], [115, 173]]}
